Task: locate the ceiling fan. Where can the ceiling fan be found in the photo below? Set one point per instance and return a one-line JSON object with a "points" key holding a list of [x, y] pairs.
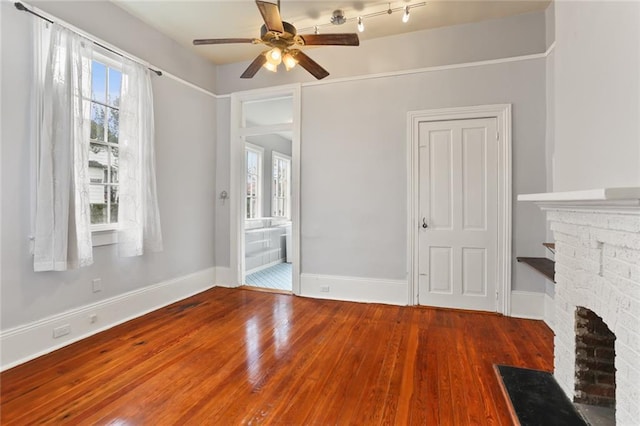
{"points": [[284, 42]]}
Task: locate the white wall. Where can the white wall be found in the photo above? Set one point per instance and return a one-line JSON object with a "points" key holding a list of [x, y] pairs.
{"points": [[353, 146], [185, 150], [354, 180], [223, 179], [597, 95]]}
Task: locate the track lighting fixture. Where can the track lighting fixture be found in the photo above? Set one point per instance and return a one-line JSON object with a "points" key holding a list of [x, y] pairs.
{"points": [[359, 20], [405, 17]]}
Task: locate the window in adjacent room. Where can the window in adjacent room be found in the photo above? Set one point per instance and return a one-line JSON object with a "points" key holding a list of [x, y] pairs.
{"points": [[253, 166], [106, 80], [281, 186]]}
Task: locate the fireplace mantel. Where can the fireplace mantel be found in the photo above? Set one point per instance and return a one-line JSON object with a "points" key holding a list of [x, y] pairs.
{"points": [[628, 197]]}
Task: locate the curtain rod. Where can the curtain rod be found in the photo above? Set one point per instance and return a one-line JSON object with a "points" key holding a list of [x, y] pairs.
{"points": [[23, 8]]}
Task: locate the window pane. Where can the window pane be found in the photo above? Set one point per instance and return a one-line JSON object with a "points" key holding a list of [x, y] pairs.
{"points": [[115, 162], [98, 161], [98, 82], [254, 207], [113, 125], [252, 162], [114, 204], [98, 114], [115, 82], [97, 197]]}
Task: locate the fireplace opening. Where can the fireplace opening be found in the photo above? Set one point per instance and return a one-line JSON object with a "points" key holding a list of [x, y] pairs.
{"points": [[595, 360]]}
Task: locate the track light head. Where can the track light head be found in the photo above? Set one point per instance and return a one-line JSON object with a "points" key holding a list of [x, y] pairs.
{"points": [[405, 17]]}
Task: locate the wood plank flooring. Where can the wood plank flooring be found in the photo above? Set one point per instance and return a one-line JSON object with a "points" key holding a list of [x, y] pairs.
{"points": [[234, 356]]}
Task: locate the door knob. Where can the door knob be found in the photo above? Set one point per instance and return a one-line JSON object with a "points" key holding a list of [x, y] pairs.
{"points": [[424, 223]]}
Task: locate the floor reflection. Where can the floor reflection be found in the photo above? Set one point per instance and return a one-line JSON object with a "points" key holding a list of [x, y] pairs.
{"points": [[252, 343], [282, 324]]}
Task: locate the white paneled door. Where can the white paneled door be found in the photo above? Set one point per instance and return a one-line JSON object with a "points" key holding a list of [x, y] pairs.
{"points": [[458, 229]]}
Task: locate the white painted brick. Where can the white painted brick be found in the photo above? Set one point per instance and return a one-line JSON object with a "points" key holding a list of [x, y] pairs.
{"points": [[587, 265], [564, 228], [628, 255], [629, 223], [617, 238], [624, 285], [584, 233], [634, 272], [631, 413], [609, 251], [561, 237], [628, 337], [566, 249], [617, 267], [632, 306], [567, 261], [630, 322]]}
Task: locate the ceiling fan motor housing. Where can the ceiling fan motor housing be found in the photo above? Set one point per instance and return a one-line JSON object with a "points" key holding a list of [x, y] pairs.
{"points": [[279, 40]]}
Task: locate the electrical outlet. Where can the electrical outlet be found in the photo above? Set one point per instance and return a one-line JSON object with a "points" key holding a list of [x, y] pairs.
{"points": [[324, 288], [93, 318], [96, 283], [63, 330]]}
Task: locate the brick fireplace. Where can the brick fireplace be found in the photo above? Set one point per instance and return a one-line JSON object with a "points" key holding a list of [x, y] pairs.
{"points": [[597, 296]]}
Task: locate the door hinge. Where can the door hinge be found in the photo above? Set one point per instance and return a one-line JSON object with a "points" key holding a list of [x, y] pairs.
{"points": [[497, 136]]}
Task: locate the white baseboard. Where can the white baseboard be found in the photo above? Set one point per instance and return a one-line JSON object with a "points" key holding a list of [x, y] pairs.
{"points": [[355, 289], [225, 277], [549, 311], [29, 341], [527, 304]]}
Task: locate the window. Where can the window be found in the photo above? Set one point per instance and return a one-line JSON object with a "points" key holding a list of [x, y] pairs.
{"points": [[281, 186], [104, 152], [253, 166]]}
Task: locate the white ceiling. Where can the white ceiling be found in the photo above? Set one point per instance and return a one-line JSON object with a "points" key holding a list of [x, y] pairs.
{"points": [[185, 20]]}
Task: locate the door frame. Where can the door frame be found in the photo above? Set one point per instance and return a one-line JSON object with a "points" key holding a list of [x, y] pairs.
{"points": [[236, 150], [502, 114]]}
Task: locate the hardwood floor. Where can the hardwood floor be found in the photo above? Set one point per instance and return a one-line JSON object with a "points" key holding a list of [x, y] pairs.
{"points": [[234, 356]]}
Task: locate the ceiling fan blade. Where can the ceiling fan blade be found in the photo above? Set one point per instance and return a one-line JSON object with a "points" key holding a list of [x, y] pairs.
{"points": [[271, 16], [310, 65], [223, 40], [254, 67], [350, 39]]}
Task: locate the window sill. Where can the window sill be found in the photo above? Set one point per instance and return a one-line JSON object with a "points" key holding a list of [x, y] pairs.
{"points": [[104, 237]]}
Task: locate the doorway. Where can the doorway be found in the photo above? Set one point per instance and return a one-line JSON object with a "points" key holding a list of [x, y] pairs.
{"points": [[460, 208], [265, 174]]}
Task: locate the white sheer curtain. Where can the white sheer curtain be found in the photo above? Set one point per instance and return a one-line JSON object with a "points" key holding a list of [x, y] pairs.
{"points": [[62, 237], [138, 215]]}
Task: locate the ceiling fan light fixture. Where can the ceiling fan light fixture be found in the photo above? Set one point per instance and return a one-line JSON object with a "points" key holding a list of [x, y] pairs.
{"points": [[289, 61], [274, 56], [405, 16], [271, 67], [360, 24]]}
